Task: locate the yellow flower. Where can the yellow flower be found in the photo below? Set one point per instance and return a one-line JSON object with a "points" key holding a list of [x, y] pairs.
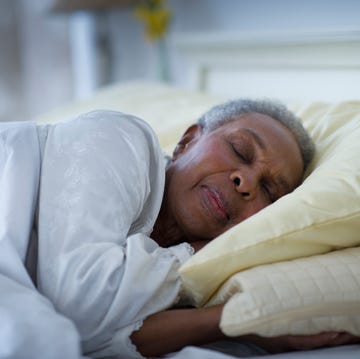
{"points": [[155, 16]]}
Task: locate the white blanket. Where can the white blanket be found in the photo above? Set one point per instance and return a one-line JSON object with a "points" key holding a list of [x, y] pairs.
{"points": [[101, 183], [29, 324]]}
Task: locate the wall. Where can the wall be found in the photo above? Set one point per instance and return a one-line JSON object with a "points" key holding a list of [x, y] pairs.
{"points": [[135, 58], [10, 69], [45, 50], [43, 64], [35, 71], [229, 15]]}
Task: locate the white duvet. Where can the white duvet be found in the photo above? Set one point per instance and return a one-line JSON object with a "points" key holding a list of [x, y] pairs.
{"points": [[99, 181], [25, 315]]}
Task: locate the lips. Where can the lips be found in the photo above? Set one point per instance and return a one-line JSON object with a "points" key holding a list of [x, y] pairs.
{"points": [[215, 204]]}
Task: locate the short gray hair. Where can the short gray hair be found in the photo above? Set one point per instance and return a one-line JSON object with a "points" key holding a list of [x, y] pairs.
{"points": [[223, 113]]}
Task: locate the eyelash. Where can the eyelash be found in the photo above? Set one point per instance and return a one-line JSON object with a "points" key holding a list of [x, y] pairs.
{"points": [[239, 154]]}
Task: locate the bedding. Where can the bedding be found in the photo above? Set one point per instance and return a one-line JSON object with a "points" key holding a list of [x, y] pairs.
{"points": [[25, 314], [302, 296], [344, 352], [102, 182], [92, 233], [167, 109], [321, 216]]}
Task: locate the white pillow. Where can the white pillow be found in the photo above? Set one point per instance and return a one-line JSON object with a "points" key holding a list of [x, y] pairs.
{"points": [[321, 215], [302, 296]]}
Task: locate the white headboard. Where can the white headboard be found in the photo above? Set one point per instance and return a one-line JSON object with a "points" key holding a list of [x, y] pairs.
{"points": [[302, 66]]}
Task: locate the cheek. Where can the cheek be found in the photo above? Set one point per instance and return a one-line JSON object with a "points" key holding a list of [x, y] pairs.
{"points": [[253, 207], [205, 158], [216, 158]]}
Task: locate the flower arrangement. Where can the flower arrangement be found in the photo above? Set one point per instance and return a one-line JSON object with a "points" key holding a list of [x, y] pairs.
{"points": [[156, 17]]}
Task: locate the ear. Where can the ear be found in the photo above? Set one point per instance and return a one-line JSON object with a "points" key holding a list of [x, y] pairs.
{"points": [[191, 134]]}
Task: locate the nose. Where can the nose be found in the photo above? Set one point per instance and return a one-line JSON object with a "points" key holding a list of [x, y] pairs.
{"points": [[246, 183]]}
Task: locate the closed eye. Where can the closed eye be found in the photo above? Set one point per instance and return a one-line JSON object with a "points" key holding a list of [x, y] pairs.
{"points": [[241, 153]]}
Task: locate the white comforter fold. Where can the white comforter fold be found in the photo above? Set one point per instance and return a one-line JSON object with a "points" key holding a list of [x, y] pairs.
{"points": [[29, 324]]}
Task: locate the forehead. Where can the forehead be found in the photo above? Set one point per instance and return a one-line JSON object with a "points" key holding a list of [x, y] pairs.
{"points": [[257, 122], [264, 129]]}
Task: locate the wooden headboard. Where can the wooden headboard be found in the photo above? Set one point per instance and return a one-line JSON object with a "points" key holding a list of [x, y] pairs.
{"points": [[302, 66]]}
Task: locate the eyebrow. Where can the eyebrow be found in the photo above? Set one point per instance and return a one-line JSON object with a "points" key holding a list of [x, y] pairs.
{"points": [[256, 137]]}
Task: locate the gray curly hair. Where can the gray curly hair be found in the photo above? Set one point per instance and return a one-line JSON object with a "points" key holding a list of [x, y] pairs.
{"points": [[220, 114]]}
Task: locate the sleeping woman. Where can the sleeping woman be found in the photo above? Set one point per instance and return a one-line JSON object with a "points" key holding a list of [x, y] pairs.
{"points": [[95, 223]]}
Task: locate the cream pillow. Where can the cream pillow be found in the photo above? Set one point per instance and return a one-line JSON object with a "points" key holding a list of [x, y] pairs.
{"points": [[302, 296], [169, 110], [321, 215]]}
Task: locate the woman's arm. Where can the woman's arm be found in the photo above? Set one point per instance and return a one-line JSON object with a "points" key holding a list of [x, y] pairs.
{"points": [[172, 330]]}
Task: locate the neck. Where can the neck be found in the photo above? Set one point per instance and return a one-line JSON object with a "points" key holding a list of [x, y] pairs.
{"points": [[166, 232]]}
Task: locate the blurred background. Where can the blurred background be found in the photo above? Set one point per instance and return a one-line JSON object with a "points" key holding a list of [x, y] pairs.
{"points": [[57, 51]]}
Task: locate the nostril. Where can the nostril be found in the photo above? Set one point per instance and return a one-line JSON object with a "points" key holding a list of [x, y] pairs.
{"points": [[245, 194], [237, 181]]}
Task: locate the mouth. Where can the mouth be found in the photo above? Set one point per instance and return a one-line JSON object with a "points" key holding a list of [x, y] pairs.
{"points": [[215, 204]]}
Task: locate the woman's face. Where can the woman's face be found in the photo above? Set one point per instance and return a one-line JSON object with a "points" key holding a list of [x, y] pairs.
{"points": [[218, 179]]}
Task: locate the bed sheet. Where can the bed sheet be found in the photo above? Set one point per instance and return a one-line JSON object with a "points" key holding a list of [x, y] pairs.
{"points": [[341, 352]]}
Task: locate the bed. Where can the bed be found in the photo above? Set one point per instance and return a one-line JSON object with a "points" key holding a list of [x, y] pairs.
{"points": [[300, 273]]}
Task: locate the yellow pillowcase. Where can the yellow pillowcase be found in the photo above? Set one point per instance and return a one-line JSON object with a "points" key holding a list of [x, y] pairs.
{"points": [[321, 215]]}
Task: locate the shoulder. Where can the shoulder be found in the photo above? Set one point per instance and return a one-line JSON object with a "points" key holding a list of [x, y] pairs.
{"points": [[105, 128], [111, 122], [113, 119]]}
